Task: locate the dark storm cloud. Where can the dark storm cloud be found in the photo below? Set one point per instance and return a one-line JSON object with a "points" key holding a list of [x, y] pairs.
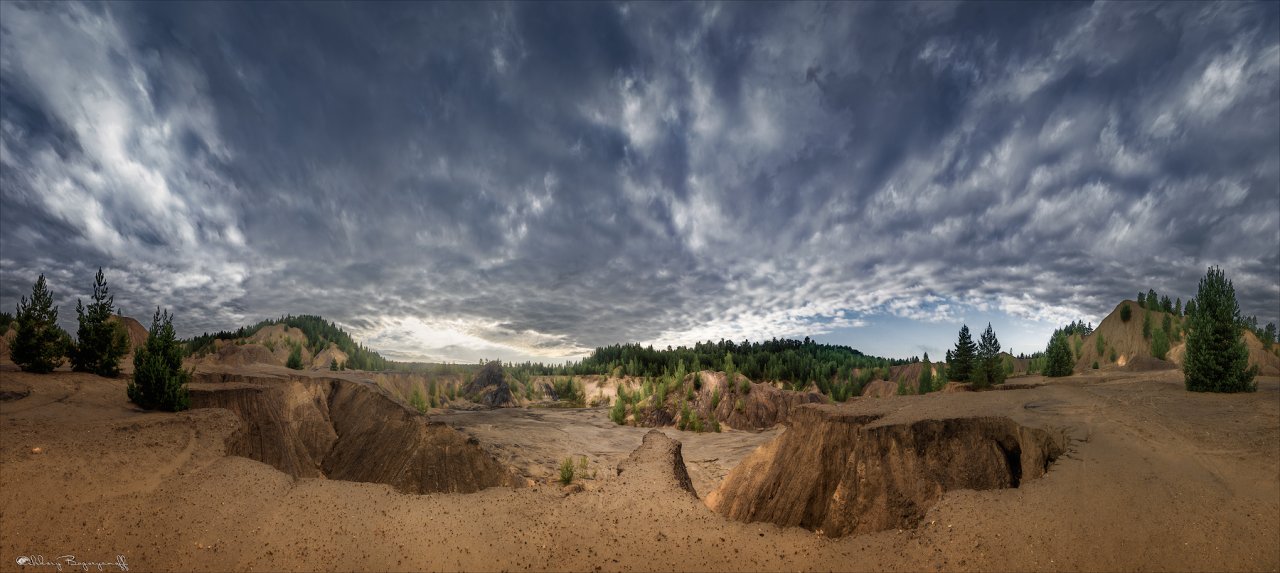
{"points": [[464, 180]]}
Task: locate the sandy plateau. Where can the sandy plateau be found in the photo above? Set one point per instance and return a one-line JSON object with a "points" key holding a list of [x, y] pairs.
{"points": [[1110, 471]]}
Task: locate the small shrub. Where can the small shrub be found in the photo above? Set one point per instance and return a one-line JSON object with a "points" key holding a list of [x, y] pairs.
{"points": [[582, 467], [695, 423], [1159, 344], [618, 413], [715, 398], [744, 387], [566, 471], [295, 358], [1125, 313], [418, 402], [739, 405], [1099, 344], [1112, 357], [1095, 364]]}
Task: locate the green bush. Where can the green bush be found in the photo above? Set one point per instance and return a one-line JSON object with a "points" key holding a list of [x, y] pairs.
{"points": [[295, 358], [566, 471], [618, 413], [1112, 357], [417, 401], [159, 382], [1095, 364], [1159, 343], [1099, 344], [1125, 313]]}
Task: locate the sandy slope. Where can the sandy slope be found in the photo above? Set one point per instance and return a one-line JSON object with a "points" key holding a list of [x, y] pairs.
{"points": [[1155, 478]]}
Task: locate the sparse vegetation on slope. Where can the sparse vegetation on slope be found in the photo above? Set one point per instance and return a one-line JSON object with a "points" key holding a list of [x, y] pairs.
{"points": [[319, 332]]}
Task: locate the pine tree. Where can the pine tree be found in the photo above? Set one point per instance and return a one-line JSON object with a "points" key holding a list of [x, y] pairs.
{"points": [[101, 342], [1177, 307], [1217, 359], [159, 382], [1058, 356], [987, 369], [925, 383], [1142, 300], [40, 343], [961, 363]]}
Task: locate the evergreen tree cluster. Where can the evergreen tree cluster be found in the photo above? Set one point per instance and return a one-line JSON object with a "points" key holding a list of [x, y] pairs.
{"points": [[1078, 327], [979, 364], [798, 363]]}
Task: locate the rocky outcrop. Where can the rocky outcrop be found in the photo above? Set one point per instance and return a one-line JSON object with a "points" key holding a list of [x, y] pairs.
{"points": [[489, 387], [841, 473], [347, 430]]}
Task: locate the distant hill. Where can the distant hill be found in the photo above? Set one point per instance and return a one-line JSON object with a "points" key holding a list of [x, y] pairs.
{"points": [[1133, 351], [319, 341]]}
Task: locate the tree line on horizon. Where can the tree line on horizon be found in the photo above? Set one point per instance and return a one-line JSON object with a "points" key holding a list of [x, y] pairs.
{"points": [[836, 370]]}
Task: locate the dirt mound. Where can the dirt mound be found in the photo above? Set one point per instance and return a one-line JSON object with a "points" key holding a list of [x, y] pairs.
{"points": [[346, 430], [325, 359], [137, 332], [838, 473], [489, 387], [658, 462], [880, 389], [237, 355]]}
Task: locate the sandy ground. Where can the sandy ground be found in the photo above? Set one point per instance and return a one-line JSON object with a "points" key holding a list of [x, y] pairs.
{"points": [[534, 441], [1155, 479]]}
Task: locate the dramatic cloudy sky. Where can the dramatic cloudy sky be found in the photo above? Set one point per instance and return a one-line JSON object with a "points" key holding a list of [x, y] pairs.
{"points": [[452, 181]]}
